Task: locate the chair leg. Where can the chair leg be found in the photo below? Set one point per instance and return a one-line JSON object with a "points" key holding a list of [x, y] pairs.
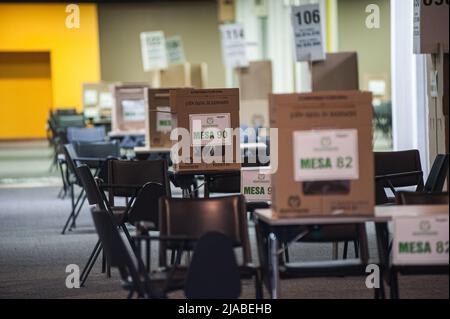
{"points": [[286, 253], [88, 271], [72, 213], [259, 294], [103, 262], [356, 246], [345, 254], [91, 257], [394, 284], [80, 206]]}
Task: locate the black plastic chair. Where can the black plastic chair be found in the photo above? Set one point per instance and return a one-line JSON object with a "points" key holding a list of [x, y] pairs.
{"points": [[417, 198], [438, 174], [193, 218], [92, 134], [72, 178], [213, 272], [394, 170]]}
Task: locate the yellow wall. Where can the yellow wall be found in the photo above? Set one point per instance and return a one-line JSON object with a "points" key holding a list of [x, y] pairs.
{"points": [[26, 93], [74, 53]]}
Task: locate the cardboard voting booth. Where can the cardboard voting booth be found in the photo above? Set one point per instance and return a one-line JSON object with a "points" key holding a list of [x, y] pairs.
{"points": [[255, 83], [158, 119], [129, 108], [211, 117], [430, 26], [325, 154], [182, 75], [97, 101], [339, 71]]}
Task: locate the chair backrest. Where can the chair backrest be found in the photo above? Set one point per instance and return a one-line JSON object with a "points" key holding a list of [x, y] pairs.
{"points": [[91, 134], [66, 121], [438, 174], [116, 252], [68, 111], [387, 163], [225, 184], [193, 218], [420, 198], [70, 154], [98, 149], [213, 272], [146, 206], [90, 187], [136, 173]]}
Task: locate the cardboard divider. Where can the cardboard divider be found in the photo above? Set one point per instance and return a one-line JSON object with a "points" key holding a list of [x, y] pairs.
{"points": [[129, 108], [339, 71], [323, 136], [207, 114]]}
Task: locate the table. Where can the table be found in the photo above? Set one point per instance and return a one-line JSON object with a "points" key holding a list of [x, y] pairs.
{"points": [[183, 179], [383, 215]]}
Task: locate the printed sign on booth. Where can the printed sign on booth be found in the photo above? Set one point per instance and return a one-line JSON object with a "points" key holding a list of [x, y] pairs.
{"points": [[421, 240], [325, 155]]}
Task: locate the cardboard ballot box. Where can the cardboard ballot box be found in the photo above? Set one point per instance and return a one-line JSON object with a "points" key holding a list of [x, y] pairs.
{"points": [[211, 116], [193, 75], [430, 26], [158, 118], [129, 108], [325, 154], [97, 101], [339, 71]]}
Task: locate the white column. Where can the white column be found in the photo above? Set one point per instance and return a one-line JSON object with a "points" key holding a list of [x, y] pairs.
{"points": [[408, 84]]}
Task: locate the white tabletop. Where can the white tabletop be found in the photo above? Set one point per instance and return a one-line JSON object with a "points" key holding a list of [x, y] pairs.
{"points": [[382, 214]]}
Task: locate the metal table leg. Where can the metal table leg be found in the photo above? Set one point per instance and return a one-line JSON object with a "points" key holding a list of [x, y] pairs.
{"points": [[273, 266]]}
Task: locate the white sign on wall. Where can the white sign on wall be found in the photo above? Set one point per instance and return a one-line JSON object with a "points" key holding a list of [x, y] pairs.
{"points": [[234, 46], [175, 50], [154, 51], [326, 155], [256, 185], [308, 35], [421, 240], [210, 129]]}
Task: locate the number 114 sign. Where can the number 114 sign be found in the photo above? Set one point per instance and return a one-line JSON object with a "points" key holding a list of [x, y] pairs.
{"points": [[308, 34]]}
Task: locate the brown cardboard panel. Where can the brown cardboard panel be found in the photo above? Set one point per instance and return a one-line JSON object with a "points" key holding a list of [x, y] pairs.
{"points": [[157, 135], [184, 75], [223, 103], [226, 11], [255, 81], [199, 75], [322, 111], [338, 72], [433, 28], [128, 96]]}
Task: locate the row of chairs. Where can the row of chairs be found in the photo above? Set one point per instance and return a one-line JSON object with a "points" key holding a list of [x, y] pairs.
{"points": [[180, 222]]}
